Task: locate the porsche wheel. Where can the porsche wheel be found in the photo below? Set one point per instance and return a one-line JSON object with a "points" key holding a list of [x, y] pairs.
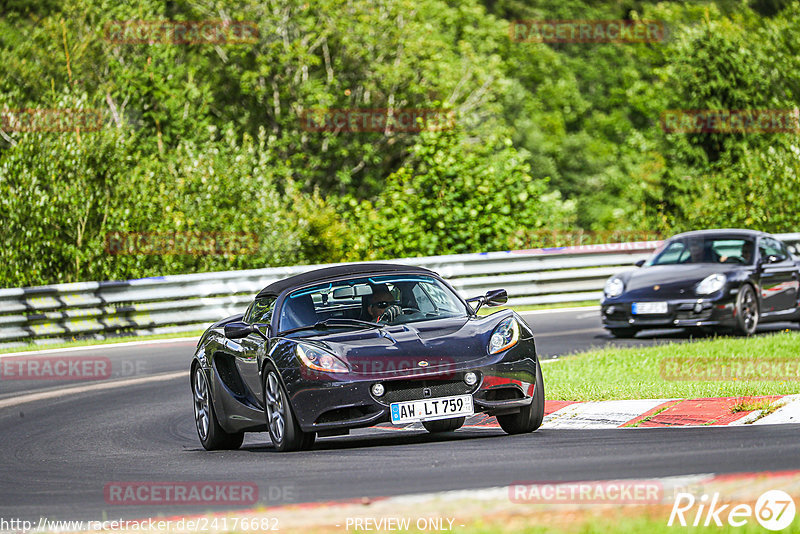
{"points": [[530, 417], [747, 313], [444, 425], [284, 431], [212, 435]]}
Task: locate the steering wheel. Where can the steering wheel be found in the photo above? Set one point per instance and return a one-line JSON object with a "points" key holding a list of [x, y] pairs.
{"points": [[409, 311]]}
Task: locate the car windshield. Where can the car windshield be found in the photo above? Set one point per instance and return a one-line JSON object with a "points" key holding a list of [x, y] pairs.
{"points": [[704, 250], [388, 299]]}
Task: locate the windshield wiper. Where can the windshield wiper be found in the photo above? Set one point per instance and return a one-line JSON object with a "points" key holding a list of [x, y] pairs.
{"points": [[334, 321]]}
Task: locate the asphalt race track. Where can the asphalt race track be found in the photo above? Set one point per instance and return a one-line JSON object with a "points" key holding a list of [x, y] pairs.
{"points": [[60, 449]]}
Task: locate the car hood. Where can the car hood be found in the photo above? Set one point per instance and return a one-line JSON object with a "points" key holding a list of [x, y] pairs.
{"points": [[671, 278], [428, 345]]}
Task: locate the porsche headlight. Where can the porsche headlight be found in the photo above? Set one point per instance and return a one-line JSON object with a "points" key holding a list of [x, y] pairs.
{"points": [[614, 287], [505, 336], [319, 360], [711, 284]]}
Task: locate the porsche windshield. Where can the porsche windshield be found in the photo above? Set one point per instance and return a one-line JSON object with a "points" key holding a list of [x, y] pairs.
{"points": [[705, 250], [388, 299]]}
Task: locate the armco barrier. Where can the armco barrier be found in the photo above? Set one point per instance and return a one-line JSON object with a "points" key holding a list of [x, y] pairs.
{"points": [[183, 303]]}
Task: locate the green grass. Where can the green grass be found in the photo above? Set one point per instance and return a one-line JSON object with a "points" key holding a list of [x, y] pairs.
{"points": [[680, 370], [625, 520], [89, 342], [595, 520], [749, 405]]}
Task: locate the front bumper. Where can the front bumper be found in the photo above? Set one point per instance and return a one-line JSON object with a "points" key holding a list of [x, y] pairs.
{"points": [[331, 406], [681, 313]]}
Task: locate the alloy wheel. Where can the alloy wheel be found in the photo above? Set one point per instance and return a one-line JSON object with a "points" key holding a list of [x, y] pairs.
{"points": [[201, 403], [749, 311], [276, 417]]}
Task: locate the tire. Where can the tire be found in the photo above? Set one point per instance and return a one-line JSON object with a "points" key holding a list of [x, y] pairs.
{"points": [[623, 332], [444, 425], [530, 417], [747, 312], [284, 431], [212, 436]]}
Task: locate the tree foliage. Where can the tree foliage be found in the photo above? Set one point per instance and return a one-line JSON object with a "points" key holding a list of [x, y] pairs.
{"points": [[209, 136]]}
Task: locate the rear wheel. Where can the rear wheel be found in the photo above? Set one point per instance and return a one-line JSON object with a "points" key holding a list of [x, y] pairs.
{"points": [[444, 425], [623, 332], [746, 311], [212, 435], [284, 431], [530, 417]]}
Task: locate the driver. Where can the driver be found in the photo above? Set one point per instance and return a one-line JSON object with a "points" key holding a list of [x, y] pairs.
{"points": [[381, 305]]}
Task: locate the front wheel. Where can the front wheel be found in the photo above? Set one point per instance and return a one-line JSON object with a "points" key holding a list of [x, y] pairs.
{"points": [[444, 425], [530, 417], [284, 431], [212, 436], [746, 311]]}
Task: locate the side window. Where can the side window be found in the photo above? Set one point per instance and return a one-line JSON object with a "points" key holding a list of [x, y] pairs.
{"points": [[248, 313], [423, 301], [262, 311], [770, 247], [675, 252]]}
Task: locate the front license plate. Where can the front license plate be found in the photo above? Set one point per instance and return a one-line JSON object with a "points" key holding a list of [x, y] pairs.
{"points": [[649, 308], [430, 409]]}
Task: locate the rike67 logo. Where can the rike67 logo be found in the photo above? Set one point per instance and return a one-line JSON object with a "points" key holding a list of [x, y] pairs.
{"points": [[774, 510]]}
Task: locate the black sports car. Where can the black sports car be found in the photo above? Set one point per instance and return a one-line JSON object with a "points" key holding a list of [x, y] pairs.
{"points": [[352, 346], [726, 279]]}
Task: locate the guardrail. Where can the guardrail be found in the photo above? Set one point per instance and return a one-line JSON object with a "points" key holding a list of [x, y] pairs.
{"points": [[183, 303]]}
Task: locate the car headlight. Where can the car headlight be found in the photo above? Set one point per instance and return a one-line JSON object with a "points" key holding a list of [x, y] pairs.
{"points": [[505, 336], [711, 284], [320, 360], [614, 287]]}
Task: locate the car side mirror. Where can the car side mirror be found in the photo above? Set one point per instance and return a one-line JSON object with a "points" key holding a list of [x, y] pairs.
{"points": [[238, 330], [496, 297], [493, 297], [773, 258], [639, 263]]}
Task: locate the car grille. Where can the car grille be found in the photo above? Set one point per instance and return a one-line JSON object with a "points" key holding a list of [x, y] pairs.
{"points": [[405, 390], [692, 316]]}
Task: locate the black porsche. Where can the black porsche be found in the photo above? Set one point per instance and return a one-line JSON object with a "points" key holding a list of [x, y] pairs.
{"points": [[717, 279], [326, 351]]}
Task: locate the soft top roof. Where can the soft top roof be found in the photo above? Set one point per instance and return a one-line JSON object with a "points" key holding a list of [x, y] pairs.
{"points": [[723, 232], [329, 273]]}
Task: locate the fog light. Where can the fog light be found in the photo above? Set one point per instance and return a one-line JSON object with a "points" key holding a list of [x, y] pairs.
{"points": [[378, 390], [471, 378]]}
